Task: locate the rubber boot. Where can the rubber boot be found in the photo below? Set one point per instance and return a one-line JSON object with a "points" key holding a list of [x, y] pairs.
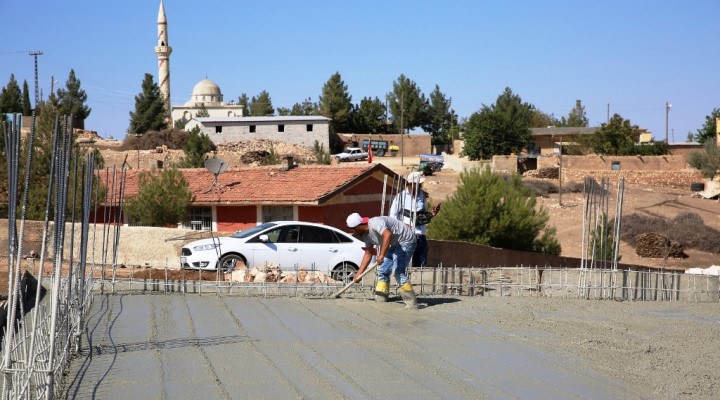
{"points": [[382, 291], [408, 295]]}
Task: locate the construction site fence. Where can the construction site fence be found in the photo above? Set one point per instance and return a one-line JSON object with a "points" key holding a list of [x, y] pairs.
{"points": [[592, 284]]}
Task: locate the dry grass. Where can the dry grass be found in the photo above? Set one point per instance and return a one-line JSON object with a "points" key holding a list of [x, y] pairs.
{"points": [[687, 228]]}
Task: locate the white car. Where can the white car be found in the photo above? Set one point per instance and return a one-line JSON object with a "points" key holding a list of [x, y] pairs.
{"points": [[290, 245]]}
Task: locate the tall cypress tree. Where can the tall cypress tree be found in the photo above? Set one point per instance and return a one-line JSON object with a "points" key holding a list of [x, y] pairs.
{"points": [[407, 102], [440, 116], [11, 97], [335, 102], [261, 105], [149, 114], [27, 106], [72, 100]]}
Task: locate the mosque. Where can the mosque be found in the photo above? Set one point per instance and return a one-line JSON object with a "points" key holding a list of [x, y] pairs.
{"points": [[225, 121]]}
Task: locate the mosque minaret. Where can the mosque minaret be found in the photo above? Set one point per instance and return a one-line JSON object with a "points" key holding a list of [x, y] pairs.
{"points": [[163, 51]]}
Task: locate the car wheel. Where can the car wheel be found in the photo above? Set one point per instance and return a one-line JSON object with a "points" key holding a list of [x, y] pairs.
{"points": [[230, 262], [344, 272]]}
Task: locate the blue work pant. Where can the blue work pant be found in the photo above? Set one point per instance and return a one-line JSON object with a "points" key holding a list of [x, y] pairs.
{"points": [[396, 262]]}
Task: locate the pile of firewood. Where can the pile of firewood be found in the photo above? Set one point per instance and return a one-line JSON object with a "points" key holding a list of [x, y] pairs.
{"points": [[653, 245], [271, 273]]}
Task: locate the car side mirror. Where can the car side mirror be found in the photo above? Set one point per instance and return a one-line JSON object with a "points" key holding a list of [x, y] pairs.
{"points": [[264, 238]]}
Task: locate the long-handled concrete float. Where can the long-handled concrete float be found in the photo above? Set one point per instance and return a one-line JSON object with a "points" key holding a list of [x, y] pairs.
{"points": [[341, 291]]}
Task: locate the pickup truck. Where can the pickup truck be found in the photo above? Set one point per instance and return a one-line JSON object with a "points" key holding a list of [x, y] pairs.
{"points": [[352, 154]]}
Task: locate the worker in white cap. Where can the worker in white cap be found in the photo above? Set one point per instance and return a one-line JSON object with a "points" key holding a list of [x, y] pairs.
{"points": [[395, 244], [409, 206]]}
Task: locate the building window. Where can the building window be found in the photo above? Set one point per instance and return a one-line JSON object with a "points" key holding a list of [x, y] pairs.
{"points": [[309, 127], [218, 129], [199, 219], [281, 128], [615, 166], [252, 128], [277, 213]]}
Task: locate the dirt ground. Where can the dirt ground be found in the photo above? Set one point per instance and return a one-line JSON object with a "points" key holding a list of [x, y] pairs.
{"points": [[567, 216]]}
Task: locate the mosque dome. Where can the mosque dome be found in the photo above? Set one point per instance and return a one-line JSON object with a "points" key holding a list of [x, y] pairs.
{"points": [[206, 87], [206, 92]]}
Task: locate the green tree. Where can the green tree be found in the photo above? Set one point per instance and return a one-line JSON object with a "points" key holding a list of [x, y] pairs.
{"points": [[307, 107], [501, 128], [11, 97], [407, 102], [180, 123], [708, 162], [149, 111], [367, 117], [195, 148], [72, 101], [261, 105], [615, 138], [494, 211], [163, 198], [577, 118], [707, 132], [244, 101], [202, 112], [602, 240], [27, 106], [335, 103], [440, 116], [539, 119], [321, 155]]}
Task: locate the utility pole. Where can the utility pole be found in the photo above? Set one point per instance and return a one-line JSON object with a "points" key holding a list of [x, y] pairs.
{"points": [[402, 128], [668, 106], [35, 54], [608, 113]]}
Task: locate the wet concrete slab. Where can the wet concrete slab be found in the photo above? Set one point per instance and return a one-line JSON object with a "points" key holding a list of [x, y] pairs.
{"points": [[209, 346]]}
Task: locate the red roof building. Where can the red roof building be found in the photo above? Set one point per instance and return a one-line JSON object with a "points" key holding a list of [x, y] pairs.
{"points": [[245, 197]]}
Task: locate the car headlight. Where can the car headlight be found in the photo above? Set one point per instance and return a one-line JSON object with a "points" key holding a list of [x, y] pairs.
{"points": [[205, 247]]}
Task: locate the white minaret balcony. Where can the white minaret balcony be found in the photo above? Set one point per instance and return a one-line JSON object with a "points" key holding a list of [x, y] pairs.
{"points": [[163, 50]]}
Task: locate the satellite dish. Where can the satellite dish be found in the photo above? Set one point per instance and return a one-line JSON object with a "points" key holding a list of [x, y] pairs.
{"points": [[216, 167]]}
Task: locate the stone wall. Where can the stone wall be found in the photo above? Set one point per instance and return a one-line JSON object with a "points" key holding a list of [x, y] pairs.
{"points": [[620, 163]]}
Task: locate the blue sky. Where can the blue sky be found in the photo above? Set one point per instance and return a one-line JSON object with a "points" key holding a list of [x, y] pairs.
{"points": [[631, 55]]}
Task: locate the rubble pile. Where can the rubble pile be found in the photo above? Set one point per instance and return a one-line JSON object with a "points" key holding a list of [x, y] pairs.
{"points": [[544, 173], [254, 148], [271, 273], [653, 245], [254, 157]]}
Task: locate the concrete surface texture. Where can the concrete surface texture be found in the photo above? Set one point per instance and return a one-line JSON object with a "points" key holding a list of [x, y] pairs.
{"points": [[208, 346]]}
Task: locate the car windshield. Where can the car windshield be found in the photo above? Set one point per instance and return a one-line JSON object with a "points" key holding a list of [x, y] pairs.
{"points": [[253, 230]]}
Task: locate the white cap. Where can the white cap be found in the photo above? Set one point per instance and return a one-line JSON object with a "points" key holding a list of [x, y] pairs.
{"points": [[415, 177], [355, 219]]}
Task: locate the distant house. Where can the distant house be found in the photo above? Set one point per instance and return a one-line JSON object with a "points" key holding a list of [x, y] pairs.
{"points": [[246, 197], [294, 129], [549, 140], [225, 122]]}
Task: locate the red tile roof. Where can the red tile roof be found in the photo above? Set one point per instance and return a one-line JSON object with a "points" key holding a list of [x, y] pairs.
{"points": [[311, 184]]}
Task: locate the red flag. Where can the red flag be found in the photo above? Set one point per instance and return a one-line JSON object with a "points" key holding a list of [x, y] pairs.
{"points": [[369, 153]]}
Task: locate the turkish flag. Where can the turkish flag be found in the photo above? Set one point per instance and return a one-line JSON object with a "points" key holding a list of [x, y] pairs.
{"points": [[369, 153]]}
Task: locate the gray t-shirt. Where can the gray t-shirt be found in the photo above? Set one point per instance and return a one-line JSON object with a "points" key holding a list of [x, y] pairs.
{"points": [[401, 233]]}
